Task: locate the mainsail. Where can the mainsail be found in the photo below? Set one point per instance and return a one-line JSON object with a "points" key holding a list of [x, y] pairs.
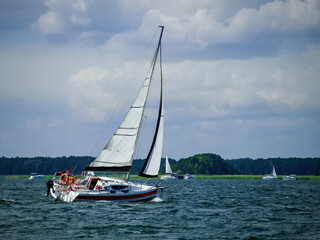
{"points": [[118, 154]]}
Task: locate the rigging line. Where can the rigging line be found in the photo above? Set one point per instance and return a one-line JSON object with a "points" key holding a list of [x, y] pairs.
{"points": [[91, 146], [102, 127], [147, 111], [105, 123], [126, 88], [107, 119], [141, 58], [144, 122], [147, 103], [149, 45]]}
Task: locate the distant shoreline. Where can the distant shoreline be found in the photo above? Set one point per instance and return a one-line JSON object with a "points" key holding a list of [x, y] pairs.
{"points": [[197, 177]]}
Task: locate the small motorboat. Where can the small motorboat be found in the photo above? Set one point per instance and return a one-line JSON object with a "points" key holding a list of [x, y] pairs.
{"points": [[291, 177], [35, 176], [188, 177]]}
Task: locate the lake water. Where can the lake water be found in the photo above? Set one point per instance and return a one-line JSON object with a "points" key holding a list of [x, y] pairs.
{"points": [[196, 209]]}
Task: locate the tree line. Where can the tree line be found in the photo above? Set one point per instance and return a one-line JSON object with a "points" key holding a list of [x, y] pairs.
{"points": [[283, 166], [207, 163]]}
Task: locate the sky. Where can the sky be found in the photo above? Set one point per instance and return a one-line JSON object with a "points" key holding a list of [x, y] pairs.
{"points": [[241, 78]]}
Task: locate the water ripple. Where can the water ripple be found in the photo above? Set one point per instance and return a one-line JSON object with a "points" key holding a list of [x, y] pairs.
{"points": [[200, 209]]}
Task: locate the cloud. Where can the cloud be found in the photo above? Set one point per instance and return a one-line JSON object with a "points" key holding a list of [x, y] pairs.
{"points": [[205, 89], [196, 31], [34, 124], [87, 96], [231, 69], [95, 91], [50, 23], [55, 123], [75, 19], [294, 16], [213, 89], [61, 16]]}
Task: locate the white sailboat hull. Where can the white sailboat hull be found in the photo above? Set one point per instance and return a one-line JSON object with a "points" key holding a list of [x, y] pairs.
{"points": [[272, 176], [168, 177], [269, 177], [117, 191]]}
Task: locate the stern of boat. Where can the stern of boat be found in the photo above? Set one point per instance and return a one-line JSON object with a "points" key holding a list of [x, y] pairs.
{"points": [[60, 192]]}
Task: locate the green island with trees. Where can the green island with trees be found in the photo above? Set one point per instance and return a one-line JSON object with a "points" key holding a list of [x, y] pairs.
{"points": [[204, 166]]}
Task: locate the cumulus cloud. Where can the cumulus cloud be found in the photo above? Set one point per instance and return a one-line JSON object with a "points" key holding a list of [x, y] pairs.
{"points": [[207, 27], [193, 26], [95, 91], [231, 68], [50, 23], [206, 89], [61, 16], [294, 16], [79, 20], [88, 97], [217, 89]]}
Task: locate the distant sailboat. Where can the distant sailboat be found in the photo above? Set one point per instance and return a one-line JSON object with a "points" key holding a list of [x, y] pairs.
{"points": [[117, 156], [169, 174], [272, 175]]}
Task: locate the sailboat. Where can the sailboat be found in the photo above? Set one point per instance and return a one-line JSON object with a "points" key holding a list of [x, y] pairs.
{"points": [[272, 175], [169, 174], [117, 156]]}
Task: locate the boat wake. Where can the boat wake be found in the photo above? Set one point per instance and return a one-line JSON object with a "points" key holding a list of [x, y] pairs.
{"points": [[157, 199]]}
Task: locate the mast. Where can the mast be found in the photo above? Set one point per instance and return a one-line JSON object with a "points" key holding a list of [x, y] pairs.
{"points": [[157, 135]]}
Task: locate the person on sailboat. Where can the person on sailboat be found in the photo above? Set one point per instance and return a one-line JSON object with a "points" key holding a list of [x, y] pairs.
{"points": [[71, 176], [67, 178]]}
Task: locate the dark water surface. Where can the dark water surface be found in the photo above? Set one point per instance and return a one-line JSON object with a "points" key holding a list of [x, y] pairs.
{"points": [[198, 209]]}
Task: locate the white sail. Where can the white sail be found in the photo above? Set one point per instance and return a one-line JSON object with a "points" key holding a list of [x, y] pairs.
{"points": [[272, 175], [273, 172], [153, 165], [168, 168], [118, 153]]}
